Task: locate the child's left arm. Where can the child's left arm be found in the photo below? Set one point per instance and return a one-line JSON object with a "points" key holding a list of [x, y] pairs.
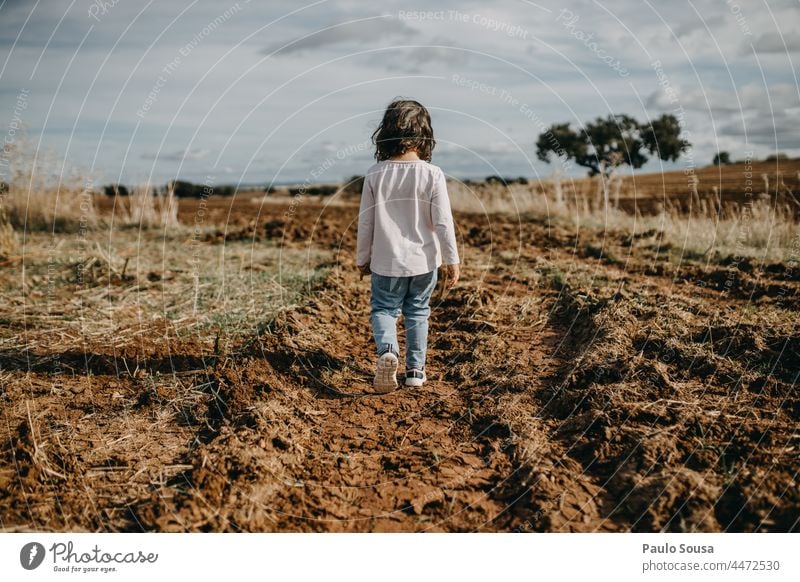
{"points": [[366, 226], [442, 218]]}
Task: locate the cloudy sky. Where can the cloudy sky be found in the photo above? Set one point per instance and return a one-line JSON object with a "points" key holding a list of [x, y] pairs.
{"points": [[287, 92]]}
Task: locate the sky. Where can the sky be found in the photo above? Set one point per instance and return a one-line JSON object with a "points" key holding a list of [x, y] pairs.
{"points": [[288, 92]]}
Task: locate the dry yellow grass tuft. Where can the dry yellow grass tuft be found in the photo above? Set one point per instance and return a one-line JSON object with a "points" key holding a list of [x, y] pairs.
{"points": [[8, 238], [147, 208], [44, 194]]}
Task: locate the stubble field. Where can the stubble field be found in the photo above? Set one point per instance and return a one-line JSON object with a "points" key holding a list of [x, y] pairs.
{"points": [[218, 379]]}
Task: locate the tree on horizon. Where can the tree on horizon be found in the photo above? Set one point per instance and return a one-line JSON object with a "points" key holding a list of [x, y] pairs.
{"points": [[607, 143]]}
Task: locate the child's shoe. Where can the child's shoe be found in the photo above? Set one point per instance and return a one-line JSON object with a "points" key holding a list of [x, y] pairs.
{"points": [[415, 378], [386, 373]]}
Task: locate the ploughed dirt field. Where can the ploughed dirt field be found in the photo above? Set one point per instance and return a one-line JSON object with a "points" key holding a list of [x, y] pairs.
{"points": [[577, 382]]}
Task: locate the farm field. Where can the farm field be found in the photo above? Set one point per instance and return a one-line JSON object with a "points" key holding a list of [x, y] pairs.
{"points": [[709, 190], [218, 378]]}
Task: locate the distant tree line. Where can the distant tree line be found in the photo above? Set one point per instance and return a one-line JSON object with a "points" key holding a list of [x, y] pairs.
{"points": [[317, 190], [723, 158], [506, 181], [181, 189], [601, 147]]}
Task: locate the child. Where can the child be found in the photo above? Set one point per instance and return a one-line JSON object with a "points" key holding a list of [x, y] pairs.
{"points": [[405, 233]]}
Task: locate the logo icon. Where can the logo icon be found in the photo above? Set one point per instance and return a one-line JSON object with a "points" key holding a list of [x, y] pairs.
{"points": [[31, 555]]}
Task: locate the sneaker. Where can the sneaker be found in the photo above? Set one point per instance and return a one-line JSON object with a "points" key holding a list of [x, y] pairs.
{"points": [[386, 373], [415, 377]]}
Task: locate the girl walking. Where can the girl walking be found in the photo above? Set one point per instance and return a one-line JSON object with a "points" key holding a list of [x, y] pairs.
{"points": [[405, 233]]}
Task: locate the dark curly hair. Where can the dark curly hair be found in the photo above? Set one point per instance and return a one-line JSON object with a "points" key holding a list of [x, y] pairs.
{"points": [[406, 125]]}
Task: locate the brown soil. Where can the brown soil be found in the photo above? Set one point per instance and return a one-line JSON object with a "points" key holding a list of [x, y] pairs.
{"points": [[568, 391]]}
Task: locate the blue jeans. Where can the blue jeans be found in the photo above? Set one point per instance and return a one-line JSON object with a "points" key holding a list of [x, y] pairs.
{"points": [[392, 296]]}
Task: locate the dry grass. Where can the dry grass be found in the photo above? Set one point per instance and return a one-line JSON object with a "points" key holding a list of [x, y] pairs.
{"points": [[58, 209], [45, 194], [116, 290], [762, 229], [8, 238], [148, 209]]}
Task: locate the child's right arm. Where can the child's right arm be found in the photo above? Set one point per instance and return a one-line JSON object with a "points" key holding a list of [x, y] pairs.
{"points": [[366, 225]]}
